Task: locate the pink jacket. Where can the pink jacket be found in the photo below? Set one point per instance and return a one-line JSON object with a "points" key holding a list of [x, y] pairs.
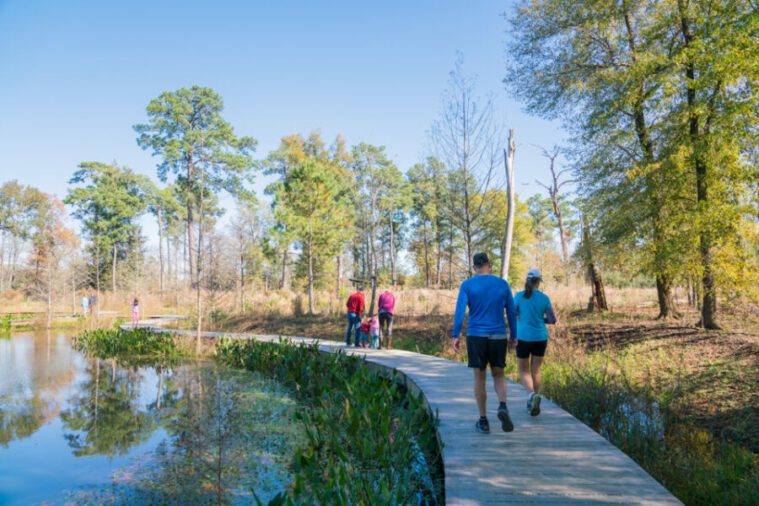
{"points": [[387, 302], [374, 323]]}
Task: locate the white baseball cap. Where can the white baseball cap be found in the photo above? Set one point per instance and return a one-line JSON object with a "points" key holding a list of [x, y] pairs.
{"points": [[534, 274]]}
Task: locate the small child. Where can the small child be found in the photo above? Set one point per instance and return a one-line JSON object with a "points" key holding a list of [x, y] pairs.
{"points": [[374, 332], [363, 332], [135, 312]]}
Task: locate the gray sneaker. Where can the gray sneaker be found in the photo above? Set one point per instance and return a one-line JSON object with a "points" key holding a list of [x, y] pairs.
{"points": [[535, 405], [503, 416]]}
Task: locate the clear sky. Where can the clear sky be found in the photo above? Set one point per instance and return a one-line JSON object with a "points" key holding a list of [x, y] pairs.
{"points": [[75, 76]]}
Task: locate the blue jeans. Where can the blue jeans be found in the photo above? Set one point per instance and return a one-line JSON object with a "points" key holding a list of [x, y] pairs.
{"points": [[353, 322]]}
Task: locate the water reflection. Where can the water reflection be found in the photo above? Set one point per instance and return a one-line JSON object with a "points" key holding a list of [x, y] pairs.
{"points": [[75, 430]]}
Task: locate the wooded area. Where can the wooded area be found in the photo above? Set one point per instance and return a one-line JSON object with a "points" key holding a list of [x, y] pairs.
{"points": [[656, 187]]}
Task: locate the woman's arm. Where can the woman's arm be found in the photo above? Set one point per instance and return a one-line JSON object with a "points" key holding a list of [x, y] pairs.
{"points": [[550, 318]]}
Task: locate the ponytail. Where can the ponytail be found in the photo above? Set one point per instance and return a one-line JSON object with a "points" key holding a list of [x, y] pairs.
{"points": [[529, 286]]}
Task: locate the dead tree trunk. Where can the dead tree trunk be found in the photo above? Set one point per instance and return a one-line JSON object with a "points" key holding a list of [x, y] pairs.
{"points": [[508, 162]]}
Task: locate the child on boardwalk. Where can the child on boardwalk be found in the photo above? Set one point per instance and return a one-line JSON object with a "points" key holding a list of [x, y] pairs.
{"points": [[374, 332], [135, 312], [363, 332]]}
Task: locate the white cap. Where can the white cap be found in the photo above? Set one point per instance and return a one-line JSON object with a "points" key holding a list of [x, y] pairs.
{"points": [[534, 274]]}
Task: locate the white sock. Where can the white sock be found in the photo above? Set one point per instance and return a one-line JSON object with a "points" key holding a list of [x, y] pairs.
{"points": [[532, 394]]}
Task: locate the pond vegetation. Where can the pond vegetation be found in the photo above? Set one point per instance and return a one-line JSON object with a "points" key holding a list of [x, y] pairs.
{"points": [[368, 440]]}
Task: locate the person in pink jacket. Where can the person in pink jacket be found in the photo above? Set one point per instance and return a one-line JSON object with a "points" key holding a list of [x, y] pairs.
{"points": [[374, 331], [386, 305]]}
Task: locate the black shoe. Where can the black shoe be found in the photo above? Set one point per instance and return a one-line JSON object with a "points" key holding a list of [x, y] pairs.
{"points": [[535, 406], [503, 416], [482, 426]]}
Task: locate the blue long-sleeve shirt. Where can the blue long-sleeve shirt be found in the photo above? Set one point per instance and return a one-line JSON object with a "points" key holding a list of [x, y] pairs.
{"points": [[486, 296]]}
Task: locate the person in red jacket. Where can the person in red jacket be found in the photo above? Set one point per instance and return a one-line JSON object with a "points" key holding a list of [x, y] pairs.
{"points": [[355, 307]]}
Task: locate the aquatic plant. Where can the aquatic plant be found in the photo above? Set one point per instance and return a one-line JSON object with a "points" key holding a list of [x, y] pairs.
{"points": [[137, 345], [368, 439]]}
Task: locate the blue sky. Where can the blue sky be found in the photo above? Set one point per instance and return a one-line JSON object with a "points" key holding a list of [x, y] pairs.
{"points": [[75, 76]]}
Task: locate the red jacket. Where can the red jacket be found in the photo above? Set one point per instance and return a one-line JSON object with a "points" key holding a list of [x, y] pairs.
{"points": [[356, 303]]}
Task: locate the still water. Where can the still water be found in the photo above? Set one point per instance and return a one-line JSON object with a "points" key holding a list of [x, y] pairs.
{"points": [[77, 430]]}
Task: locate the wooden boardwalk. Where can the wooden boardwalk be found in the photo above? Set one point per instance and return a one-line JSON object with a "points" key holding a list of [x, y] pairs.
{"points": [[551, 459]]}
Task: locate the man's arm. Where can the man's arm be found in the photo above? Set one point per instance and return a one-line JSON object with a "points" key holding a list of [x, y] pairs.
{"points": [[511, 314], [458, 318]]}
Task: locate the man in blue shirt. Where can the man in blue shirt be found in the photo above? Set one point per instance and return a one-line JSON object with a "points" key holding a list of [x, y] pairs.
{"points": [[486, 296]]}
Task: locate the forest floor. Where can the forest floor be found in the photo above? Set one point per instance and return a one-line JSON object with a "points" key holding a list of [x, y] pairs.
{"points": [[708, 378]]}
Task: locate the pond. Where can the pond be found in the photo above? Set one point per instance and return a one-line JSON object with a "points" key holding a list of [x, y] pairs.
{"points": [[77, 430]]}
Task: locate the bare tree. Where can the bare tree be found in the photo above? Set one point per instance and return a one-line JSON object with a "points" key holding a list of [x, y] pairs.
{"points": [[554, 188], [465, 138]]}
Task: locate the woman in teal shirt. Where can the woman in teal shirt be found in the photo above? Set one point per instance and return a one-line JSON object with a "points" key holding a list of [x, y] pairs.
{"points": [[534, 311]]}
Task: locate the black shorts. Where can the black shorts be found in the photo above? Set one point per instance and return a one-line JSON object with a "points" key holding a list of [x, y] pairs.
{"points": [[385, 319], [534, 348], [483, 351]]}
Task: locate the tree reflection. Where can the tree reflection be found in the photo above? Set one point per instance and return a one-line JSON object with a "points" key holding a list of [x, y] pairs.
{"points": [[105, 416], [19, 420], [228, 434]]}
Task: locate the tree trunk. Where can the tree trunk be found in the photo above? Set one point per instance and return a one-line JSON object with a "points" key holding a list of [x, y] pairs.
{"points": [[160, 251], [450, 259], [372, 235], [392, 252], [49, 292], [177, 240], [241, 282], [598, 292], [198, 263], [339, 284], [2, 261], [283, 276], [97, 276], [508, 161], [468, 235], [311, 307], [374, 294], [439, 261], [113, 270], [709, 301], [426, 256], [666, 299]]}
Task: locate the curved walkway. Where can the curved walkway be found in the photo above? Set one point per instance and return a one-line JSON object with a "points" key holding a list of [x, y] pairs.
{"points": [[551, 459]]}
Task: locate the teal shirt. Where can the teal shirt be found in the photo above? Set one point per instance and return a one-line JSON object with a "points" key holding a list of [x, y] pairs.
{"points": [[531, 313]]}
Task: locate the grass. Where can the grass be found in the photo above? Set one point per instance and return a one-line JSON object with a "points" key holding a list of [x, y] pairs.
{"points": [[624, 396], [368, 440]]}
